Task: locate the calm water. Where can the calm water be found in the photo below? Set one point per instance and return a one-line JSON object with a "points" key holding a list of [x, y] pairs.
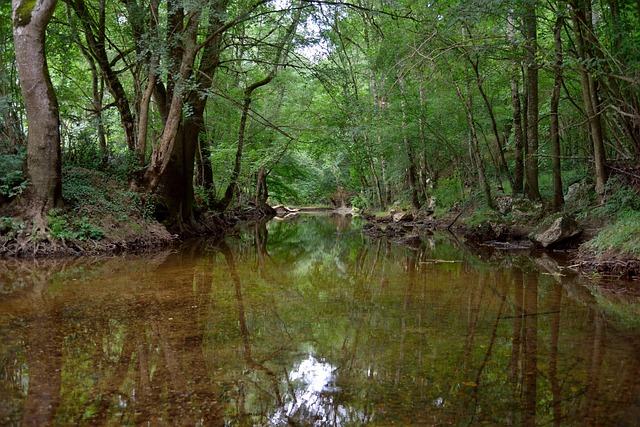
{"points": [[309, 322]]}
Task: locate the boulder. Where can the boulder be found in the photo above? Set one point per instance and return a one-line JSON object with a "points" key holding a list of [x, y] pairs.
{"points": [[555, 232], [577, 197], [403, 217]]}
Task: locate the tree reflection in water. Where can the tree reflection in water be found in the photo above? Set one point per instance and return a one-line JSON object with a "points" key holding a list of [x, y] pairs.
{"points": [[311, 323]]}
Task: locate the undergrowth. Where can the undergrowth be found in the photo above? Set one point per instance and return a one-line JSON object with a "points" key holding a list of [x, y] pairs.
{"points": [[621, 236], [621, 216]]}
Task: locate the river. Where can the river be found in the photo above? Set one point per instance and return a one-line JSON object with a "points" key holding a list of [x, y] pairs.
{"points": [[310, 323]]}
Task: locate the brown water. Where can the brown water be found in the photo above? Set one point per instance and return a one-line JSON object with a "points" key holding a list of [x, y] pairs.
{"points": [[311, 323]]}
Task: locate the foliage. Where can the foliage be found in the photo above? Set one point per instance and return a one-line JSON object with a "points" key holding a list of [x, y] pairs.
{"points": [[620, 198], [449, 193], [13, 230], [12, 179], [94, 193], [64, 226], [482, 216], [620, 237]]}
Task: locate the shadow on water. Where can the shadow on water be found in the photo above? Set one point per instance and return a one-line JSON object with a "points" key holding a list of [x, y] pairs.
{"points": [[309, 322]]}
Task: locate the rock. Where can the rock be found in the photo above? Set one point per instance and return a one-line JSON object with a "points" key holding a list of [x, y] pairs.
{"points": [[505, 204], [562, 228], [403, 217], [577, 197]]}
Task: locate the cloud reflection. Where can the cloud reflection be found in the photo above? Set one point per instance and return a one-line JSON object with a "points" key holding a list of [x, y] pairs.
{"points": [[313, 396]]}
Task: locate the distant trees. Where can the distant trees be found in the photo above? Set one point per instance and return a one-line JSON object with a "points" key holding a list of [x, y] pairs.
{"points": [[389, 103]]}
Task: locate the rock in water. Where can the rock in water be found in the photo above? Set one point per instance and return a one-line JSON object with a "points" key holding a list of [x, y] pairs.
{"points": [[561, 229]]}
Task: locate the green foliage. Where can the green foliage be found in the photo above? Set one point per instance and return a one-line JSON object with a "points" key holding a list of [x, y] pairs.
{"points": [[64, 226], [94, 193], [360, 202], [620, 197], [12, 230], [622, 236], [449, 193], [12, 179], [482, 216]]}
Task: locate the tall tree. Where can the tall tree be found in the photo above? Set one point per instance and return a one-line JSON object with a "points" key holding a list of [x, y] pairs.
{"points": [[554, 129], [530, 30], [283, 47], [514, 84], [44, 168], [584, 39]]}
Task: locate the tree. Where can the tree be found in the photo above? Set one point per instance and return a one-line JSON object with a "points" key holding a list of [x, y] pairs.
{"points": [[530, 30], [585, 43], [44, 167], [554, 129]]}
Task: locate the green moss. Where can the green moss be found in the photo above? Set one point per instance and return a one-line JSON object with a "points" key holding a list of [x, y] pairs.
{"points": [[23, 13]]}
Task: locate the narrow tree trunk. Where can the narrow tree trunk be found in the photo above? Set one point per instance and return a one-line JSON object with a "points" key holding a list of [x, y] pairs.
{"points": [[503, 167], [44, 167], [531, 50], [582, 27], [411, 168], [558, 198], [280, 57], [518, 140], [475, 149], [96, 43]]}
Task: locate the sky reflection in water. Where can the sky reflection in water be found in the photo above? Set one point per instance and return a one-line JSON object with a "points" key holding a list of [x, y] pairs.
{"points": [[311, 323]]}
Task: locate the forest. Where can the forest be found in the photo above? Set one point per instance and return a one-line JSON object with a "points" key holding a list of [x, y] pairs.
{"points": [[188, 112]]}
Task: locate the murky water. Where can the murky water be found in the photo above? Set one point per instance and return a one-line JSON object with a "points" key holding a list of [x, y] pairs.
{"points": [[311, 323]]}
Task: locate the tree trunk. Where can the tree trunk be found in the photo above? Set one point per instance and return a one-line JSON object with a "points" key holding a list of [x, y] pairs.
{"points": [[44, 168], [558, 198], [96, 43], [503, 167], [411, 168], [518, 139], [582, 28], [475, 149], [531, 50], [282, 52]]}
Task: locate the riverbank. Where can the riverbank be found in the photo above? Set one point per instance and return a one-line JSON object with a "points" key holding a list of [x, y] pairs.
{"points": [[590, 243]]}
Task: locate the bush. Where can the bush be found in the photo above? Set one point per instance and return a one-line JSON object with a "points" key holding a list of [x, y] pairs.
{"points": [[12, 179], [449, 193], [620, 198], [622, 236], [61, 226]]}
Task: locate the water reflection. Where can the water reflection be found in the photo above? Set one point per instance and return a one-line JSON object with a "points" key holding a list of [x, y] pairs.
{"points": [[308, 322]]}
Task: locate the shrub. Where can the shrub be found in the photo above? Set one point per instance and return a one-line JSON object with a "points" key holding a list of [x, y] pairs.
{"points": [[61, 226], [12, 179], [622, 236], [449, 192]]}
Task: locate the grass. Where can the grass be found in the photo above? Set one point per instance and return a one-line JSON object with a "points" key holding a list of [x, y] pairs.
{"points": [[621, 236]]}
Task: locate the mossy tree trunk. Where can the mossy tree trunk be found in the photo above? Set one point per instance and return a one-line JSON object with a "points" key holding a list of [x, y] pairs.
{"points": [[44, 170]]}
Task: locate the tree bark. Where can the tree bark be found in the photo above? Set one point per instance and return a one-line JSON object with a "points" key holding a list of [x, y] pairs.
{"points": [[44, 168], [475, 149], [96, 43], [411, 162], [558, 198], [518, 139], [581, 28], [280, 57], [531, 39]]}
